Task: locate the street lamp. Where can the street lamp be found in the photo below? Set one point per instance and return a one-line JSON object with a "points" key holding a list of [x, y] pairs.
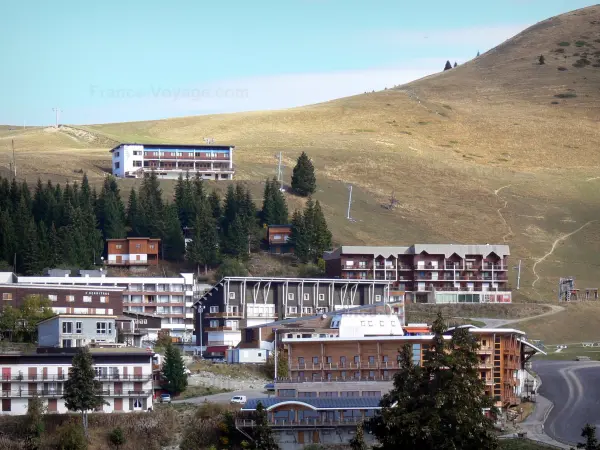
{"points": [[275, 347], [199, 309]]}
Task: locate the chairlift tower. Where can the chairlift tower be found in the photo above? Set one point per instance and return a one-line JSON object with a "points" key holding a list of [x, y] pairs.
{"points": [[349, 204], [280, 173]]}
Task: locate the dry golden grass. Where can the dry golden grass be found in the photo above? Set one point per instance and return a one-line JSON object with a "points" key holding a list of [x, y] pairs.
{"points": [[475, 154]]}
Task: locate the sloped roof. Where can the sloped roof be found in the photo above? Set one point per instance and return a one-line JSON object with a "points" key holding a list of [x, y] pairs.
{"points": [[461, 250], [316, 403]]}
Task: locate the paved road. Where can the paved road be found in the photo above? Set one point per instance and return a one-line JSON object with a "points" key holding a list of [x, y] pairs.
{"points": [[573, 388], [225, 396]]}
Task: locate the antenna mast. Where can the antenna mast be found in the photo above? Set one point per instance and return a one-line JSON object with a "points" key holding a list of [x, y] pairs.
{"points": [[57, 112]]}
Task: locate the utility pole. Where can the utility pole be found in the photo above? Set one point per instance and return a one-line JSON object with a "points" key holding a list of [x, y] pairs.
{"points": [[275, 347], [518, 269], [57, 112], [279, 172], [349, 203]]}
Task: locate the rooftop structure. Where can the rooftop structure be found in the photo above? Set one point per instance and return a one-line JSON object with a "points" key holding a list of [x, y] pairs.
{"points": [[211, 162], [429, 273]]}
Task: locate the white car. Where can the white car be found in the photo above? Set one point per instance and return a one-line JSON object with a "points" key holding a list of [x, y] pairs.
{"points": [[238, 399]]}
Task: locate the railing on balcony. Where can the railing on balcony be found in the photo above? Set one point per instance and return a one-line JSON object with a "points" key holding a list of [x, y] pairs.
{"points": [[356, 267], [454, 267], [32, 393], [334, 378], [481, 350], [38, 377], [223, 315], [120, 377], [384, 266], [310, 422], [132, 262], [490, 266]]}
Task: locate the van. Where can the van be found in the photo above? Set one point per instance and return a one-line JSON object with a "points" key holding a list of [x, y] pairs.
{"points": [[238, 399]]}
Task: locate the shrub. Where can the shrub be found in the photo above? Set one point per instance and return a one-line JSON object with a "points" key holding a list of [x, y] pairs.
{"points": [[231, 267], [564, 44], [555, 103], [542, 60], [566, 95], [71, 437], [562, 68], [581, 63], [579, 43], [117, 437], [559, 50]]}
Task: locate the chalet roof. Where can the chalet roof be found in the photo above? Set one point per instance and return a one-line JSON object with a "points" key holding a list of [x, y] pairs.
{"points": [[433, 249], [315, 403]]}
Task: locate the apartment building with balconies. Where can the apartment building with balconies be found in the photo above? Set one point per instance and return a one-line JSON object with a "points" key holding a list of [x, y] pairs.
{"points": [[170, 298], [429, 273], [125, 374], [237, 303], [210, 162], [351, 365]]}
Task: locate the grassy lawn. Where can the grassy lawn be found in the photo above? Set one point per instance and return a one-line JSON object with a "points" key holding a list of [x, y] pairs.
{"points": [[522, 444], [571, 352], [229, 370], [200, 391]]}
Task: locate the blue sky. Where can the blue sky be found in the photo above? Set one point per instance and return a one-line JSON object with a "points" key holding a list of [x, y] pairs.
{"points": [[114, 61]]}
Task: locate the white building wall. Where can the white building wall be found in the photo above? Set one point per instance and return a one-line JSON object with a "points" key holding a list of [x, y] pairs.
{"points": [[359, 325], [126, 156], [232, 338]]}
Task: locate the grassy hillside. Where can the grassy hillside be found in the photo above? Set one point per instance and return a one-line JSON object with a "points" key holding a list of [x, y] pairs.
{"points": [[500, 149]]}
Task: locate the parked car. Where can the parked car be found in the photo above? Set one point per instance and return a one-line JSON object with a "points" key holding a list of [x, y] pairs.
{"points": [[165, 398], [270, 387], [238, 399]]}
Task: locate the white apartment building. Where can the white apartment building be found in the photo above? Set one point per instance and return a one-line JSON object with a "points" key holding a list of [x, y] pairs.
{"points": [[170, 298], [125, 373], [212, 162]]}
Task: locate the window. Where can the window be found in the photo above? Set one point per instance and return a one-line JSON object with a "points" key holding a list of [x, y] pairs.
{"points": [[328, 394], [102, 299], [306, 296], [67, 327], [307, 310], [356, 359], [214, 309], [328, 359], [322, 311], [381, 323], [393, 323], [138, 245], [232, 296], [290, 296], [378, 298], [315, 360], [307, 394], [101, 328], [6, 296], [52, 297], [371, 394], [286, 392], [214, 323], [87, 298], [67, 343], [151, 246], [321, 296], [117, 165], [118, 246], [370, 323], [117, 154], [6, 404], [363, 323], [342, 361], [137, 164], [70, 298], [371, 360], [301, 360], [78, 327], [292, 309]]}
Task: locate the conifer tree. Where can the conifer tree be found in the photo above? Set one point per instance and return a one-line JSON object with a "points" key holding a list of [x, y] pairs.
{"points": [[358, 441], [267, 211], [174, 370], [203, 250], [321, 234], [198, 195], [215, 205], [591, 441], [30, 249], [8, 240], [134, 219], [236, 239], [55, 248], [173, 241], [448, 66], [184, 199], [110, 210], [82, 392], [274, 210], [152, 206], [304, 182], [445, 397], [262, 432], [299, 237], [455, 65]]}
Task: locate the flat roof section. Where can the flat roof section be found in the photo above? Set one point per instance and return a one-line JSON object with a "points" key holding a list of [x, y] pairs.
{"points": [[176, 146]]}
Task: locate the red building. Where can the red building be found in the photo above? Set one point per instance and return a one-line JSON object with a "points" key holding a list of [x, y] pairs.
{"points": [[429, 273], [132, 251]]}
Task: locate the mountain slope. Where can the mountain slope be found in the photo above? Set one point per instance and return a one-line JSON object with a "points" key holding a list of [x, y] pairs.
{"points": [[485, 152]]}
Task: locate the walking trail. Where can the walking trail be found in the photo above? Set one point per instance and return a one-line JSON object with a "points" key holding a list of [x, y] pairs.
{"points": [[496, 323], [554, 244], [499, 211]]}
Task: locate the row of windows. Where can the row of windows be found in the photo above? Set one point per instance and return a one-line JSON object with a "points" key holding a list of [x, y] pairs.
{"points": [[352, 394], [306, 310], [54, 298], [306, 296], [150, 246], [101, 327]]}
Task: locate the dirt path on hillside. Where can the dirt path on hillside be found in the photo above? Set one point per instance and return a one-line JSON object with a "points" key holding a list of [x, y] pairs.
{"points": [[496, 323], [499, 211], [554, 244]]}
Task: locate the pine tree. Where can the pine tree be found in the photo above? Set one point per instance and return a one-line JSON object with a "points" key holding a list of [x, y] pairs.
{"points": [[44, 251], [455, 65], [151, 207], [477, 52], [448, 66], [55, 248], [262, 432], [184, 199], [173, 240], [82, 392], [110, 210], [8, 240], [267, 211], [274, 210], [236, 239], [358, 441], [134, 215], [174, 371], [542, 60], [309, 229], [299, 238], [31, 250], [203, 250], [304, 182], [215, 205], [321, 234], [445, 398], [198, 196], [591, 441]]}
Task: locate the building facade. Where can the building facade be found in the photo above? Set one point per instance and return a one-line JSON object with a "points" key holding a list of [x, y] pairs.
{"points": [[65, 299], [211, 162], [278, 239], [350, 365], [126, 376], [430, 273], [67, 330], [241, 302], [170, 298], [138, 252]]}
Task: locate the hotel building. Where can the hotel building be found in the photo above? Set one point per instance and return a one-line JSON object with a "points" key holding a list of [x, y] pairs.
{"points": [[429, 273], [211, 162]]}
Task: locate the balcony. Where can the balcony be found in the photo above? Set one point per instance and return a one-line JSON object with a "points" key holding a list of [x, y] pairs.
{"points": [[309, 366], [119, 377], [130, 263], [26, 377], [429, 266], [454, 267], [357, 267], [383, 266], [316, 422], [224, 315], [221, 329], [485, 365], [404, 267], [51, 393], [334, 379], [490, 266], [484, 350]]}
